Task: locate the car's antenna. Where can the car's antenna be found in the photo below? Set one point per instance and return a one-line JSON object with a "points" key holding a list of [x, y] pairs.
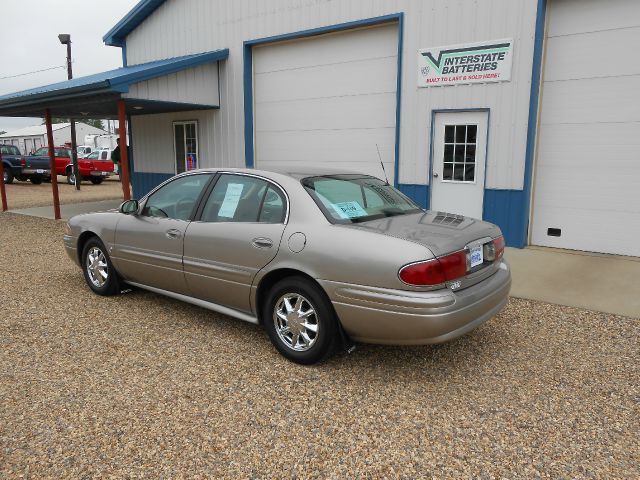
{"points": [[382, 164]]}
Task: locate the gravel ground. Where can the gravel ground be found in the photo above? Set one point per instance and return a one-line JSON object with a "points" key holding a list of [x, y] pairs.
{"points": [[143, 386], [25, 194]]}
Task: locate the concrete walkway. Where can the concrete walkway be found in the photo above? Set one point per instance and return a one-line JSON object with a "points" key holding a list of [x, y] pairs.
{"points": [[69, 210], [604, 283]]}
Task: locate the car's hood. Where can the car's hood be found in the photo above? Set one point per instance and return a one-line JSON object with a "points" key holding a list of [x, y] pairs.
{"points": [[440, 232]]}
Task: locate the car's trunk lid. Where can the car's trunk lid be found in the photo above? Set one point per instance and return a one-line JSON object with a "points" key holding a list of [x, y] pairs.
{"points": [[440, 232]]}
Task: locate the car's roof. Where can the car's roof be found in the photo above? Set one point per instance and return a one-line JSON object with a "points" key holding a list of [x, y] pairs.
{"points": [[297, 172]]}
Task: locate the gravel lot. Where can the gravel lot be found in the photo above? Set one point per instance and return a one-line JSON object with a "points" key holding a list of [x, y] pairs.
{"points": [[25, 194], [141, 385]]}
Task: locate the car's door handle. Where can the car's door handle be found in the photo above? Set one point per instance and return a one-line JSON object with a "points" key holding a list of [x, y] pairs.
{"points": [[173, 233], [262, 242]]}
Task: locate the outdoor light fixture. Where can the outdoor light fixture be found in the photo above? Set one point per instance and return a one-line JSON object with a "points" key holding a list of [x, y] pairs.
{"points": [[64, 38]]}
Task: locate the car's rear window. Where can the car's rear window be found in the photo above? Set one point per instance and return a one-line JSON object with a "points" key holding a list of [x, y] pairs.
{"points": [[10, 150], [357, 198]]}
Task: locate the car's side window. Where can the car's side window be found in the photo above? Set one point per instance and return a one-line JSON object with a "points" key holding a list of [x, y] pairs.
{"points": [[240, 198], [176, 199]]}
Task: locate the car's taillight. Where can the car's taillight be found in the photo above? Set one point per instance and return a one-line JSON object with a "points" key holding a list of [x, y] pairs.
{"points": [[436, 271], [23, 162], [498, 244]]}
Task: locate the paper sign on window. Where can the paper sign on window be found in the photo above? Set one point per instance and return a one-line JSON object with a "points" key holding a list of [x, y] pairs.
{"points": [[350, 209], [231, 199]]}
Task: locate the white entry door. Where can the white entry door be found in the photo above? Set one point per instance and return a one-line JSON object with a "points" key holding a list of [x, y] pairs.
{"points": [[459, 149]]}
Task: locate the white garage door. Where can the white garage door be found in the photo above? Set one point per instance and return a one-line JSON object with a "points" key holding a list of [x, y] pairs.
{"points": [[327, 100], [587, 187]]}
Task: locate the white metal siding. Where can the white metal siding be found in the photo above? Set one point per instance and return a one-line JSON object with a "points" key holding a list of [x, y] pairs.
{"points": [[198, 85], [587, 162], [153, 149], [181, 27], [327, 100]]}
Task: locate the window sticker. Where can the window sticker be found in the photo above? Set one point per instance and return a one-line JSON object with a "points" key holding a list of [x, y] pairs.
{"points": [[231, 199], [350, 210]]}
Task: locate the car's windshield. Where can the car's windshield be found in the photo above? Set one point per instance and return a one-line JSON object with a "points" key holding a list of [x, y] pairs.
{"points": [[357, 198]]}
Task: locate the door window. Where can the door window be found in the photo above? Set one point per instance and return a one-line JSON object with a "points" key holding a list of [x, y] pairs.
{"points": [[176, 199], [459, 161], [239, 198], [185, 135]]}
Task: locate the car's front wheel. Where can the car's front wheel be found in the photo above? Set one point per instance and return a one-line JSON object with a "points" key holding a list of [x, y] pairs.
{"points": [[300, 320], [98, 270]]}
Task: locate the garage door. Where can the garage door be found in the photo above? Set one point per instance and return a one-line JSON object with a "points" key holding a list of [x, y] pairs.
{"points": [[327, 100], [587, 183]]}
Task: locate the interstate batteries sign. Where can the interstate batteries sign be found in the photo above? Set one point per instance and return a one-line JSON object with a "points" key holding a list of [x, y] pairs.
{"points": [[470, 63]]}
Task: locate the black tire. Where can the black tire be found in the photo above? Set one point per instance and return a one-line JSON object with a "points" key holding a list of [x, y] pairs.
{"points": [[111, 284], [96, 180], [8, 176], [71, 178], [36, 180], [323, 342]]}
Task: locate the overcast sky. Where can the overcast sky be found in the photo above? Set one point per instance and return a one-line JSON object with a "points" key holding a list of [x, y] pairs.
{"points": [[29, 41]]}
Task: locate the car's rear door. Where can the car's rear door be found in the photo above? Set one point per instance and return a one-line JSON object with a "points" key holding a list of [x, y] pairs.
{"points": [[148, 246], [236, 233]]}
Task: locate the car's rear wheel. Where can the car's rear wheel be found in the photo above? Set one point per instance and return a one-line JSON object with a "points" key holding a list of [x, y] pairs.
{"points": [[96, 180], [98, 270], [300, 320], [8, 176], [36, 180]]}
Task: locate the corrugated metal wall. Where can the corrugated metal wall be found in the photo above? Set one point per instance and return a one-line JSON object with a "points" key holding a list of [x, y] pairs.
{"points": [[180, 27]]}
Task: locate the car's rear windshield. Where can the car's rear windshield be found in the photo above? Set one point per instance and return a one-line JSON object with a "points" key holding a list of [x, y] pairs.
{"points": [[357, 198]]}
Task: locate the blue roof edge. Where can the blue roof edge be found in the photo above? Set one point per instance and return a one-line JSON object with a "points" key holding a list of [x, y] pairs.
{"points": [[118, 82], [116, 36]]}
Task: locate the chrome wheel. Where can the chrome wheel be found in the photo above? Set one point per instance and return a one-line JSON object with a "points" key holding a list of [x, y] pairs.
{"points": [[97, 267], [296, 322]]}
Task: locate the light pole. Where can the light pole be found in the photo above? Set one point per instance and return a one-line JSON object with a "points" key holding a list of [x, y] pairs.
{"points": [[65, 39]]}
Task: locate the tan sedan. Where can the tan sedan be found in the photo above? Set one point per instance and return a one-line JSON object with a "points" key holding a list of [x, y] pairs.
{"points": [[320, 258]]}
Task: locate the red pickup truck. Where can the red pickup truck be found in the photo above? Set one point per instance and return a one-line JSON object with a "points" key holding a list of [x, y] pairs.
{"points": [[36, 167]]}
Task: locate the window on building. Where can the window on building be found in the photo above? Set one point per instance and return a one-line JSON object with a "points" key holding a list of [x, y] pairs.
{"points": [[185, 135], [459, 153]]}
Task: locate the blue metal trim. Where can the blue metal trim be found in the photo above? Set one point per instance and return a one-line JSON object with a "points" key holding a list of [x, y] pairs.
{"points": [[144, 182], [124, 53], [396, 171], [417, 193], [504, 208], [432, 131], [248, 104], [116, 36], [248, 73], [533, 115]]}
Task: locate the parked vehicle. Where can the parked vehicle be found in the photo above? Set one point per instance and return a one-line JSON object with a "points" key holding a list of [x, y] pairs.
{"points": [[12, 162], [317, 257], [95, 167], [84, 150], [37, 167]]}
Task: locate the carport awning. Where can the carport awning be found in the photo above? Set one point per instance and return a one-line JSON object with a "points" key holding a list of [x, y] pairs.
{"points": [[96, 96]]}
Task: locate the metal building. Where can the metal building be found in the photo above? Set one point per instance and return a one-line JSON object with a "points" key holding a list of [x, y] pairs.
{"points": [[522, 112], [29, 139]]}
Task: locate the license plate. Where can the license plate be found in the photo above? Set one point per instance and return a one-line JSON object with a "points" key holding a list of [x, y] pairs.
{"points": [[475, 256], [104, 174], [39, 170]]}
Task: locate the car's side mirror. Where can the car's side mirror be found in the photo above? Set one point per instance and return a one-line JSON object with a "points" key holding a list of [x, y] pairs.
{"points": [[129, 207]]}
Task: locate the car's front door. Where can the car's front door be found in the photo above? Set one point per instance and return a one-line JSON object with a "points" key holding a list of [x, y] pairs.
{"points": [[236, 234], [148, 246]]}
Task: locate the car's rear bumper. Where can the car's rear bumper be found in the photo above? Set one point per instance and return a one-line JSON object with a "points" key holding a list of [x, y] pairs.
{"points": [[45, 172], [398, 317]]}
